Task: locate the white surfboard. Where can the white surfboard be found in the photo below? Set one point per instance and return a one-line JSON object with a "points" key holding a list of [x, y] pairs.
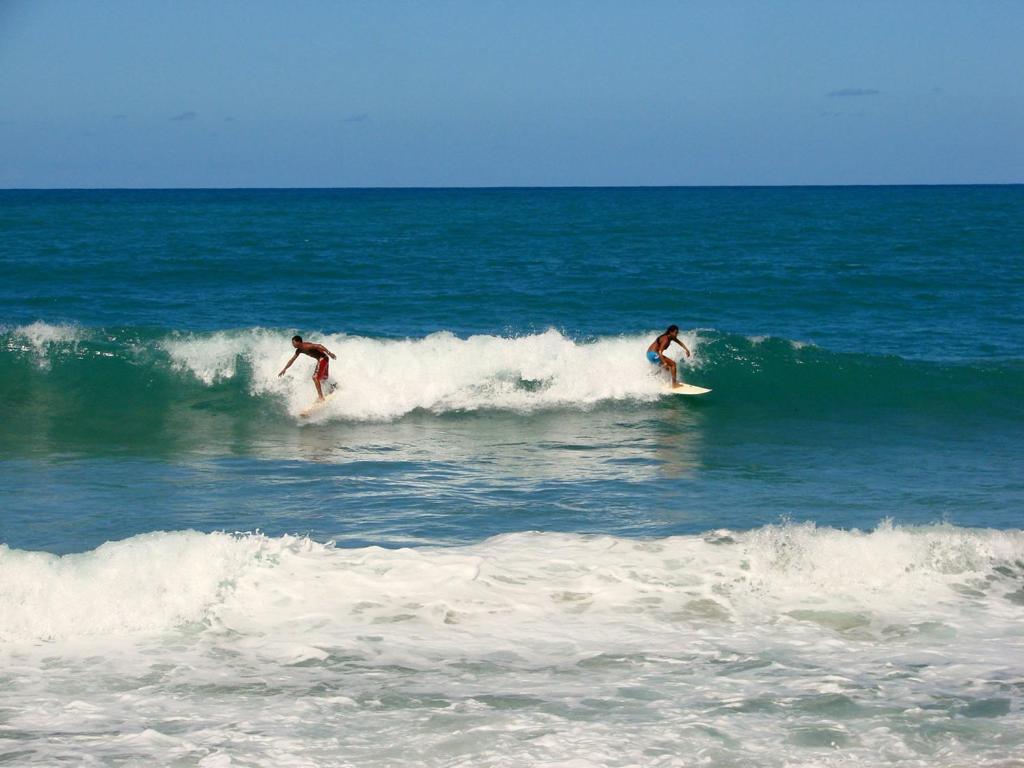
{"points": [[686, 389], [317, 405]]}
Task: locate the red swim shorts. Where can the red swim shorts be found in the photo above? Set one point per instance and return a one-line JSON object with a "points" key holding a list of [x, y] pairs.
{"points": [[321, 369]]}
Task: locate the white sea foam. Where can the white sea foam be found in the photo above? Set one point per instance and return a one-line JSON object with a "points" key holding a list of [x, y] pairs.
{"points": [[215, 357], [785, 646], [161, 580], [42, 335], [43, 339], [386, 379], [150, 582]]}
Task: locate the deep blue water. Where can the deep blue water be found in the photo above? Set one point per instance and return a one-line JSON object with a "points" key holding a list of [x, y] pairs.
{"points": [[928, 272]]}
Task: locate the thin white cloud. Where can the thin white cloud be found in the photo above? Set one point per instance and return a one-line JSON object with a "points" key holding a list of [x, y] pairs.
{"points": [[844, 92]]}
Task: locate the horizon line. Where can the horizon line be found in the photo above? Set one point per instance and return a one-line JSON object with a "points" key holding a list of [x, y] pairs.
{"points": [[499, 187]]}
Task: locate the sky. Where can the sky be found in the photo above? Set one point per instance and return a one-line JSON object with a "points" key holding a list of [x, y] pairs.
{"points": [[147, 93]]}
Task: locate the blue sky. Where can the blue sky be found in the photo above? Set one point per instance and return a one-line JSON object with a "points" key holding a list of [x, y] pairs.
{"points": [[114, 93]]}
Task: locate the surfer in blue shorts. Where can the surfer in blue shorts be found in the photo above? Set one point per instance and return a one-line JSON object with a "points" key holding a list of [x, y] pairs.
{"points": [[656, 352]]}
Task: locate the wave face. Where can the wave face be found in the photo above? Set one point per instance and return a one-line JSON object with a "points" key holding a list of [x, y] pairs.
{"points": [[98, 375], [788, 645]]}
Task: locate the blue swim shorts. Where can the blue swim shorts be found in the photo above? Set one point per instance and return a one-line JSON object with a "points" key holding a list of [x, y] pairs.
{"points": [[652, 356]]}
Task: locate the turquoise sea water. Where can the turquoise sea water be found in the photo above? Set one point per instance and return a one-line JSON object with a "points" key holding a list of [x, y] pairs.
{"points": [[501, 543]]}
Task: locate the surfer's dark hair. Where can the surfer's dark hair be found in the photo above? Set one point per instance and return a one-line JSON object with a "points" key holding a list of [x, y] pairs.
{"points": [[296, 338], [672, 329]]}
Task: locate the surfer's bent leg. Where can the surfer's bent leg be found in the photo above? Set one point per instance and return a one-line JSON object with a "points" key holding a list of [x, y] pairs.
{"points": [[671, 365]]}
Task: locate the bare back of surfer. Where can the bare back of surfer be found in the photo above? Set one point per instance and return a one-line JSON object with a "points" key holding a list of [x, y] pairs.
{"points": [[318, 352], [656, 352]]}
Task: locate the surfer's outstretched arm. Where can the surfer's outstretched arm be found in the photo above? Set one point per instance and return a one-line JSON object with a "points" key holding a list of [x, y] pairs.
{"points": [[677, 341], [326, 351], [289, 364]]}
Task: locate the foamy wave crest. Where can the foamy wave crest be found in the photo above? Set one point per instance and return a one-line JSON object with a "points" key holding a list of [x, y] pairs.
{"points": [[40, 338], [152, 582], [42, 335], [545, 590], [215, 357], [385, 379]]}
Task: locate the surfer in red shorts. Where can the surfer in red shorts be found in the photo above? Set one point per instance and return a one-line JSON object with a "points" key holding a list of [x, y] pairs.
{"points": [[318, 352]]}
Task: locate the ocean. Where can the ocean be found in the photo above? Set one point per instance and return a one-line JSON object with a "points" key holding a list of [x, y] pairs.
{"points": [[500, 543]]}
